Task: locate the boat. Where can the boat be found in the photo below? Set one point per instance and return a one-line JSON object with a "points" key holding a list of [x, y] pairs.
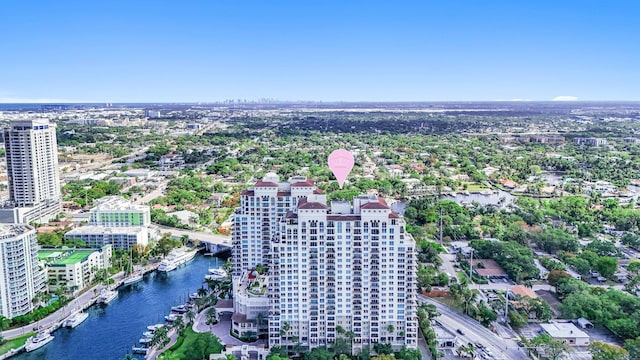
{"points": [[171, 317], [75, 319], [194, 296], [155, 327], [144, 340], [147, 334], [132, 279], [175, 259], [38, 341], [106, 296], [180, 309], [139, 350], [216, 274]]}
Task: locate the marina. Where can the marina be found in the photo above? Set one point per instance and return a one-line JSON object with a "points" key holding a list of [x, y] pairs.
{"points": [[137, 308]]}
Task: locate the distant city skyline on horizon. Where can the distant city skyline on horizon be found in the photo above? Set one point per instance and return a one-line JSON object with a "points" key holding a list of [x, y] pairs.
{"points": [[205, 52]]}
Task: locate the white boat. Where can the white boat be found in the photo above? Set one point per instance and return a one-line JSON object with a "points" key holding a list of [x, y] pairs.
{"points": [[171, 317], [148, 334], [144, 340], [155, 327], [75, 319], [107, 296], [176, 257], [216, 274], [139, 350], [38, 341], [132, 279], [180, 309]]}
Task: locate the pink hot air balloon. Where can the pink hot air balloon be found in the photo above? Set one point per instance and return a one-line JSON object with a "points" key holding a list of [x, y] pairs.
{"points": [[341, 163]]}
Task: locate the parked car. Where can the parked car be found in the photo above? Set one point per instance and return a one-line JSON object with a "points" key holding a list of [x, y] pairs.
{"points": [[459, 331]]}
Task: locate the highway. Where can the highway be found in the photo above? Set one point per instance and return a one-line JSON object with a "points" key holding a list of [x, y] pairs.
{"points": [[474, 332]]}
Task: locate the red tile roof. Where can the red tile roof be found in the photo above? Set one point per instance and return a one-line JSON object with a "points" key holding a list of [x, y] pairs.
{"points": [[523, 291], [265, 184], [307, 183], [491, 268], [312, 206], [374, 205]]}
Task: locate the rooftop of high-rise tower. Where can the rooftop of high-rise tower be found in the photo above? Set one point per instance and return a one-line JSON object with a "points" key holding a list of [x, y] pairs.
{"points": [[272, 180], [343, 210], [11, 230]]}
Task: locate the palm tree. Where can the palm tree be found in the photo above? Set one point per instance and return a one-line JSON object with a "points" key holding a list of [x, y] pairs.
{"points": [[179, 325], [190, 316], [4, 323], [390, 329], [211, 316], [285, 328], [202, 292], [214, 285], [227, 266], [159, 337], [260, 320], [469, 350]]}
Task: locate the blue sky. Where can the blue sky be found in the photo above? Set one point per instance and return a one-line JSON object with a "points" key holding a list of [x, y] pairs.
{"points": [[179, 51]]}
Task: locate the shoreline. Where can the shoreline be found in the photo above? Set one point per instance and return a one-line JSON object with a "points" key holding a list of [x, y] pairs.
{"points": [[54, 321]]}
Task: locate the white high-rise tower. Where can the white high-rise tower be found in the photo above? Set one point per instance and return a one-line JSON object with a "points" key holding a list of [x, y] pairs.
{"points": [[349, 266], [32, 169], [21, 277]]}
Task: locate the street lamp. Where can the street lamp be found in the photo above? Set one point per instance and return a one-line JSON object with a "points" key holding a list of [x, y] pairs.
{"points": [[506, 306], [471, 266]]}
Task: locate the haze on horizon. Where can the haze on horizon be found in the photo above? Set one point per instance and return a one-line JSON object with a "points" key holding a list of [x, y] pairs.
{"points": [[204, 51]]}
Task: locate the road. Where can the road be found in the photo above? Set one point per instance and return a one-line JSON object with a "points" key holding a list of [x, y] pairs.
{"points": [[78, 303], [157, 192], [475, 332]]}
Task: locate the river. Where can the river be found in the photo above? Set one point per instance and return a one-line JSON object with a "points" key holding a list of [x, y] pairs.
{"points": [[111, 330]]}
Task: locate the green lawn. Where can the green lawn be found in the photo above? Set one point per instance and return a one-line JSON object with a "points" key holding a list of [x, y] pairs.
{"points": [[449, 302], [194, 346], [14, 343]]}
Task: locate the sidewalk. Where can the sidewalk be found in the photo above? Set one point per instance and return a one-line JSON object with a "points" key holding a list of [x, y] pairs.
{"points": [[52, 320], [154, 352]]}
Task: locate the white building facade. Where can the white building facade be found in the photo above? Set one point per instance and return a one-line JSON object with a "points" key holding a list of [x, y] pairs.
{"points": [[32, 170], [116, 211], [75, 269], [116, 221], [20, 277], [348, 265], [255, 222]]}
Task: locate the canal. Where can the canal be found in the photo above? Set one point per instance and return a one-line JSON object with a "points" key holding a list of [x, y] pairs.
{"points": [[111, 330]]}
